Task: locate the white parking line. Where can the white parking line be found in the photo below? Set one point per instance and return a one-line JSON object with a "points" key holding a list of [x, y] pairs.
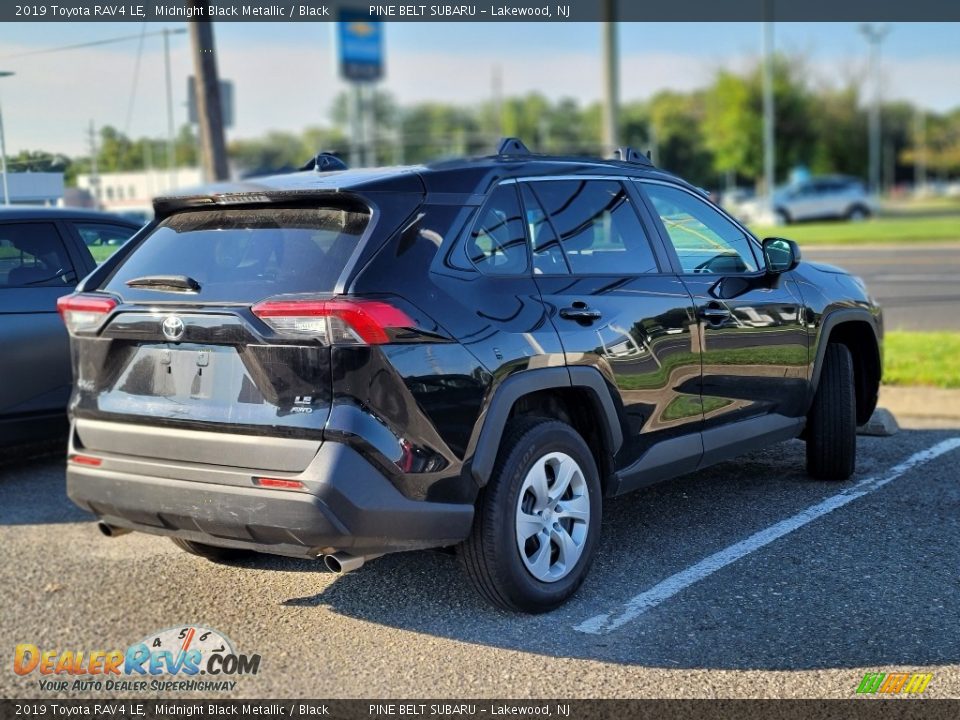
{"points": [[639, 604]]}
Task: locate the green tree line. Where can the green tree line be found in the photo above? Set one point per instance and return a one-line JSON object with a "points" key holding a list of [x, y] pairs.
{"points": [[712, 136]]}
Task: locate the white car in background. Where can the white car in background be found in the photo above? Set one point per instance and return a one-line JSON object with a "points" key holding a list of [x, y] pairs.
{"points": [[819, 198]]}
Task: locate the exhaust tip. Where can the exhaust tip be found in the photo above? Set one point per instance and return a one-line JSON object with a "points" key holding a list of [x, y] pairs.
{"points": [[342, 563]]}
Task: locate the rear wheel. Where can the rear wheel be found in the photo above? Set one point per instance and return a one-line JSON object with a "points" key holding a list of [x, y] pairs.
{"points": [[858, 213], [832, 422], [538, 520], [212, 552]]}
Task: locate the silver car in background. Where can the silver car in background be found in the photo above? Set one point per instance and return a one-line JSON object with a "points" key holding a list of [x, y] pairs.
{"points": [[828, 197]]}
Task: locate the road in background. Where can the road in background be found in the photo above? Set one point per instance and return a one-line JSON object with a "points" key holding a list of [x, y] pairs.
{"points": [[869, 587], [917, 285]]}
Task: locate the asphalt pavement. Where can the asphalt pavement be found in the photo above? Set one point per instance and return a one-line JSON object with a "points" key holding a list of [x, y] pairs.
{"points": [[745, 580], [918, 285]]}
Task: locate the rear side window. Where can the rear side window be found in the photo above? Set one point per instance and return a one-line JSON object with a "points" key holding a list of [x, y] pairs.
{"points": [[497, 244], [245, 254], [33, 255], [598, 227], [103, 240]]}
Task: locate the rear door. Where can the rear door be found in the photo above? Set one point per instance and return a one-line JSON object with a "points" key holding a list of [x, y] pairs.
{"points": [[751, 331], [184, 349], [618, 306], [36, 268]]}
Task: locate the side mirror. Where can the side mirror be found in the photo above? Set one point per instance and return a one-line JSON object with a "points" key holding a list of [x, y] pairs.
{"points": [[780, 255]]}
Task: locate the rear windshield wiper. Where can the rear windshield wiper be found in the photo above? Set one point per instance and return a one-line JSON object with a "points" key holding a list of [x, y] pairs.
{"points": [[178, 283]]}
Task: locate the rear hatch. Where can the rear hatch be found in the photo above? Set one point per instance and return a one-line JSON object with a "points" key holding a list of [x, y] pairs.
{"points": [[180, 346]]}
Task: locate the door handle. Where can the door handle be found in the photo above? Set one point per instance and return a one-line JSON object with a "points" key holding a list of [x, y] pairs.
{"points": [[714, 313], [580, 314]]}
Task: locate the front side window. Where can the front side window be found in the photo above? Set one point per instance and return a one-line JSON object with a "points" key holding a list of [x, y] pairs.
{"points": [[705, 241], [33, 255], [497, 244], [598, 227]]}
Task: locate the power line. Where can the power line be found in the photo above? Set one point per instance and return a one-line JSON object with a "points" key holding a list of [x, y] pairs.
{"points": [[94, 43]]}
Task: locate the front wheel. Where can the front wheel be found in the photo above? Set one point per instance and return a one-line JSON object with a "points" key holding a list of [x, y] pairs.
{"points": [[832, 421], [537, 522]]}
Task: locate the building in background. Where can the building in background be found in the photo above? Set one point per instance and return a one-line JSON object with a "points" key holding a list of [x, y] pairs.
{"points": [[35, 188], [132, 193]]}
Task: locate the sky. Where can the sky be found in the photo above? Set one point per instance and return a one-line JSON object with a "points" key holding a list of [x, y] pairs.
{"points": [[285, 77]]}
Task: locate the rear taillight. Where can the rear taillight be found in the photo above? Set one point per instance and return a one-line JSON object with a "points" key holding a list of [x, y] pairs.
{"points": [[77, 459], [83, 313], [336, 322]]}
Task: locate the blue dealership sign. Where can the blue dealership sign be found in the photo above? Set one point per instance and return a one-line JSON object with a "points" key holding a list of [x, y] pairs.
{"points": [[361, 46]]}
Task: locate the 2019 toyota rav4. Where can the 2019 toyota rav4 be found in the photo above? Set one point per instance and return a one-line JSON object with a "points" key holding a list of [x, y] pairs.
{"points": [[472, 354]]}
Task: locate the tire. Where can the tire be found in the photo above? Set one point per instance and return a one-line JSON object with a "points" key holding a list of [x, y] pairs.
{"points": [[783, 217], [212, 552], [508, 574], [832, 421], [858, 213]]}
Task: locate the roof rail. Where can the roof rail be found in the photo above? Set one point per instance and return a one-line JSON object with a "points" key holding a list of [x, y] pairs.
{"points": [[324, 162], [512, 146], [628, 154]]}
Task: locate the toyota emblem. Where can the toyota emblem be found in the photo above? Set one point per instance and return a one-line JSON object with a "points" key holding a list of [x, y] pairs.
{"points": [[172, 328]]}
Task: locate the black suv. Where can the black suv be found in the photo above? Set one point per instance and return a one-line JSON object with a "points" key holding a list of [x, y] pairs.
{"points": [[473, 353]]}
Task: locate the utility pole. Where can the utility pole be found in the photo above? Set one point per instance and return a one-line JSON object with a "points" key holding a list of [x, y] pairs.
{"points": [[171, 153], [209, 110], [3, 151], [920, 157], [875, 35], [611, 80], [496, 92], [769, 117], [356, 126], [94, 172]]}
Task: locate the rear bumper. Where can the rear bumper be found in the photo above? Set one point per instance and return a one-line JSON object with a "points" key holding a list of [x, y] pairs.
{"points": [[349, 506]]}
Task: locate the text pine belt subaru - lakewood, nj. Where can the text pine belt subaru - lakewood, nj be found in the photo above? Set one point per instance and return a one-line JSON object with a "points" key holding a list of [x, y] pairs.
{"points": [[473, 354]]}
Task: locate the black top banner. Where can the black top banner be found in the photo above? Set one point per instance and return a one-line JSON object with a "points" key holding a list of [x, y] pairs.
{"points": [[497, 11]]}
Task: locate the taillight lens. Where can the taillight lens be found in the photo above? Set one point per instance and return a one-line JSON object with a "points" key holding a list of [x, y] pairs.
{"points": [[83, 313], [336, 322], [278, 483]]}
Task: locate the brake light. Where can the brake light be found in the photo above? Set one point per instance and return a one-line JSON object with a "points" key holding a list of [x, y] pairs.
{"points": [[82, 313], [86, 460], [337, 322], [278, 483]]}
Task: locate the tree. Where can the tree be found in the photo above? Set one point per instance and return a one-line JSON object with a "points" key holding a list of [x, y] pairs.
{"points": [[734, 119]]}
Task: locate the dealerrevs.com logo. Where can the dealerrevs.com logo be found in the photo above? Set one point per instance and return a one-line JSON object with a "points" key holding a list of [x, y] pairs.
{"points": [[185, 658], [894, 683]]}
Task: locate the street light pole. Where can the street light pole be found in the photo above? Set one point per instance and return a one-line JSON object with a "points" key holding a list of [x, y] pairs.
{"points": [[3, 150], [611, 79], [875, 35], [769, 146], [169, 81]]}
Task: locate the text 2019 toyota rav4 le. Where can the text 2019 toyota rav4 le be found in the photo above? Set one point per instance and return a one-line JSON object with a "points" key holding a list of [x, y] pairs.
{"points": [[470, 354]]}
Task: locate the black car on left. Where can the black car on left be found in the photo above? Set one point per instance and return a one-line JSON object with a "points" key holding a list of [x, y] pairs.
{"points": [[44, 252]]}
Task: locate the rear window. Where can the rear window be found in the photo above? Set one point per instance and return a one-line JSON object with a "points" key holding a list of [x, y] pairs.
{"points": [[246, 254]]}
